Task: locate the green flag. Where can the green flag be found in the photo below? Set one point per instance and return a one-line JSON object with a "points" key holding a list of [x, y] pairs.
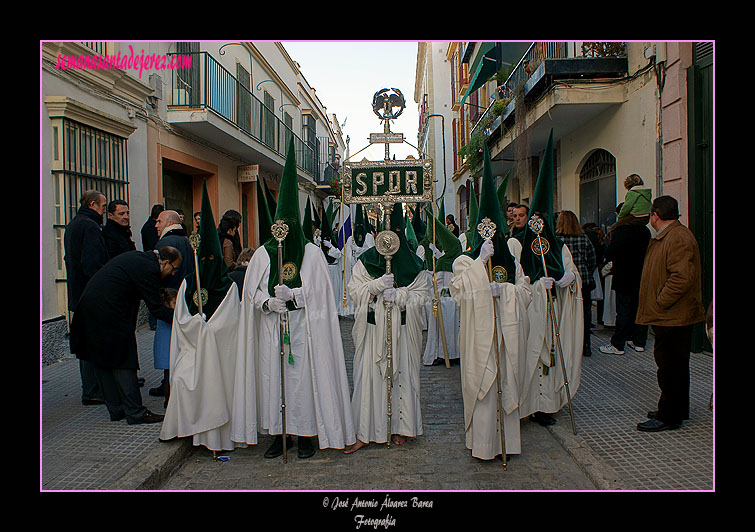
{"points": [[213, 272]]}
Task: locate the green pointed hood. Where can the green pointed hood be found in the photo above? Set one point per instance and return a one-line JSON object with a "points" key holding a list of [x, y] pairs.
{"points": [[326, 233], [405, 265], [264, 219], [502, 262], [472, 214], [360, 227], [442, 210], [411, 238], [501, 193], [213, 271], [307, 222], [287, 209], [542, 205], [444, 240], [417, 224]]}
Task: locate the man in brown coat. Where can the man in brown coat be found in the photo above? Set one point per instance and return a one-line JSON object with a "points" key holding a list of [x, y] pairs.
{"points": [[671, 301]]}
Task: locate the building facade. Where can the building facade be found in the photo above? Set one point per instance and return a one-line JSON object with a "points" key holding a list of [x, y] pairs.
{"points": [[162, 118], [615, 108]]}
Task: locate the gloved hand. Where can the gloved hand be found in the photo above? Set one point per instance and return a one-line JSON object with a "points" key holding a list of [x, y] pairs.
{"points": [[284, 292], [606, 270], [387, 280], [547, 282], [486, 251], [327, 244], [276, 305], [389, 294], [495, 288], [318, 241], [567, 279]]}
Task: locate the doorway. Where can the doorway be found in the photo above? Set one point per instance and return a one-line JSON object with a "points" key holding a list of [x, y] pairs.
{"points": [[178, 195], [597, 190]]}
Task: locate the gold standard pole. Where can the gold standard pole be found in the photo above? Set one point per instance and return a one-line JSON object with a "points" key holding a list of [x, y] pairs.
{"points": [[536, 225], [194, 240], [387, 244], [487, 229], [280, 230], [437, 310]]}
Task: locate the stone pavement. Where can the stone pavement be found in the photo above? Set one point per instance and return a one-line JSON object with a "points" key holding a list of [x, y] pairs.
{"points": [[82, 450]]}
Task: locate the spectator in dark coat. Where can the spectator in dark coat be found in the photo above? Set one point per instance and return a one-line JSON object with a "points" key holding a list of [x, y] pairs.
{"points": [[626, 251], [172, 233], [239, 272], [117, 230], [149, 232], [149, 239], [103, 327], [85, 253]]}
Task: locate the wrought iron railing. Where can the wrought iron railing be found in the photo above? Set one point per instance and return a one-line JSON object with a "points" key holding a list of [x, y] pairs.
{"points": [[535, 55], [207, 84]]}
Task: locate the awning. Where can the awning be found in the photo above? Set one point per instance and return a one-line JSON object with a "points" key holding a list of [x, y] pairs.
{"points": [[483, 66], [486, 59]]}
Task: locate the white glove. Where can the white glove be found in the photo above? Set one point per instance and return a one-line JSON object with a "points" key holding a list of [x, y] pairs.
{"points": [[389, 294], [276, 305], [486, 251], [547, 282], [318, 241], [606, 271], [495, 288], [566, 280], [284, 292], [387, 280], [327, 244]]}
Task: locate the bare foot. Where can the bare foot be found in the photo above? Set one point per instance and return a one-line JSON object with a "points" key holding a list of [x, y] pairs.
{"points": [[398, 439], [354, 447]]}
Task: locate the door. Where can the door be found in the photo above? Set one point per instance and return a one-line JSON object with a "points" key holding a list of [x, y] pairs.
{"points": [[597, 190], [178, 195], [700, 124]]}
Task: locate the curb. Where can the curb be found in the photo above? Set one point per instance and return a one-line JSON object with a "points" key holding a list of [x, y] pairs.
{"points": [[602, 475], [152, 472]]}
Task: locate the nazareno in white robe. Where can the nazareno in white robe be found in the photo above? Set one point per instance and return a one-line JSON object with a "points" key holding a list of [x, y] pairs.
{"points": [[369, 401], [203, 357], [450, 311], [542, 392], [470, 288], [317, 387]]}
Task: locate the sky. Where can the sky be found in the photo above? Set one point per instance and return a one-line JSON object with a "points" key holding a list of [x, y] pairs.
{"points": [[347, 74]]}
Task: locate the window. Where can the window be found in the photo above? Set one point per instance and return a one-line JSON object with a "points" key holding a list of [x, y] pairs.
{"points": [[268, 120], [91, 159]]}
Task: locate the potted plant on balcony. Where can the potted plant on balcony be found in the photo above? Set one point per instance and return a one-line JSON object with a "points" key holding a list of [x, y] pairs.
{"points": [[335, 185]]}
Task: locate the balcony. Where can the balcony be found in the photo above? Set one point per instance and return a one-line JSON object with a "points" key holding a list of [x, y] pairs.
{"points": [[209, 102], [549, 79]]}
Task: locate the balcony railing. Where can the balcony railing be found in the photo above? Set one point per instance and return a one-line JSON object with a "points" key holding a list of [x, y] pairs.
{"points": [[537, 53], [207, 84]]}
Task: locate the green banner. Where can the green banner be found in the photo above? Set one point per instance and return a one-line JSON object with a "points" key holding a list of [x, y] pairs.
{"points": [[407, 181]]}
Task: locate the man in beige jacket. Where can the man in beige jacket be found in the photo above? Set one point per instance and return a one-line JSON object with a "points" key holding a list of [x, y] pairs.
{"points": [[671, 301]]}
